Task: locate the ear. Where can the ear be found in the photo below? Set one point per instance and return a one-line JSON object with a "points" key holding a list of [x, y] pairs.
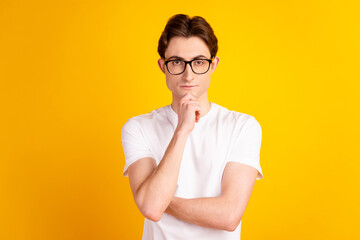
{"points": [[214, 63], [161, 64]]}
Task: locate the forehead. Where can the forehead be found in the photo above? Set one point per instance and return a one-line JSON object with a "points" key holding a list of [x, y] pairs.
{"points": [[187, 48]]}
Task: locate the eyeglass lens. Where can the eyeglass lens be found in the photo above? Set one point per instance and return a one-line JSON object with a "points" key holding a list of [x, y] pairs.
{"points": [[198, 66]]}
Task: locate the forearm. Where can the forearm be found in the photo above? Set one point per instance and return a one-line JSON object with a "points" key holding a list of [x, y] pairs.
{"points": [[156, 192], [212, 212]]}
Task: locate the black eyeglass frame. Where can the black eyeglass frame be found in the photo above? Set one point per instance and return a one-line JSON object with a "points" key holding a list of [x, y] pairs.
{"points": [[187, 62]]}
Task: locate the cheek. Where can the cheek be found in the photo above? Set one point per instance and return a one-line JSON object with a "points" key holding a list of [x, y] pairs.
{"points": [[170, 82], [206, 82]]}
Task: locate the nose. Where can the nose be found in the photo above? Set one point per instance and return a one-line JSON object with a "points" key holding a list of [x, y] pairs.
{"points": [[188, 74]]}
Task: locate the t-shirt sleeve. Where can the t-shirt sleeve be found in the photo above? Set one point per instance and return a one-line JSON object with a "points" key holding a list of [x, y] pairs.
{"points": [[247, 144], [134, 144]]}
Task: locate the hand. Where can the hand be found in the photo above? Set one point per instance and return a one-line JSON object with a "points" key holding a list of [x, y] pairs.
{"points": [[188, 113]]}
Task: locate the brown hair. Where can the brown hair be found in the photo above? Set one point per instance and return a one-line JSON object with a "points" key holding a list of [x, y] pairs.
{"points": [[183, 26]]}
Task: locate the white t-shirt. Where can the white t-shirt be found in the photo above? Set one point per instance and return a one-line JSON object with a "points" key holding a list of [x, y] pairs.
{"points": [[221, 136]]}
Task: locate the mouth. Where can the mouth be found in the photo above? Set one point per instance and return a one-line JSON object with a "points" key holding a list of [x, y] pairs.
{"points": [[188, 86]]}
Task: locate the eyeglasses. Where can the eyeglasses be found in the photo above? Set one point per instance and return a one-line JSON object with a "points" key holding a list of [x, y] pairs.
{"points": [[198, 66]]}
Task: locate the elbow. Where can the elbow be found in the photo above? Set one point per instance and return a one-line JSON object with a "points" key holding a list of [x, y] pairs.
{"points": [[231, 227], [232, 223], [151, 213], [148, 209], [155, 217]]}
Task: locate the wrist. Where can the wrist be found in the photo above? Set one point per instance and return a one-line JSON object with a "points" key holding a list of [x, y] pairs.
{"points": [[180, 132]]}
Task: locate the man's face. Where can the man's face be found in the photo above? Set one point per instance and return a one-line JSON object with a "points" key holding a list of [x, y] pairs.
{"points": [[188, 49]]}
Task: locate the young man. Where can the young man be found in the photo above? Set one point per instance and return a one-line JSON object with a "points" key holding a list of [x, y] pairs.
{"points": [[192, 165]]}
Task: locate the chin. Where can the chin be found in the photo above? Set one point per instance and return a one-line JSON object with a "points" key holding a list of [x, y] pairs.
{"points": [[183, 93]]}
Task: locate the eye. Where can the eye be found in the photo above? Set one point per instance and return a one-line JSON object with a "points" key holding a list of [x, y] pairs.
{"points": [[176, 62], [199, 62]]}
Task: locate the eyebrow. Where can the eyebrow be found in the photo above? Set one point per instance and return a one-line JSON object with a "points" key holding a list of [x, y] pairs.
{"points": [[177, 57]]}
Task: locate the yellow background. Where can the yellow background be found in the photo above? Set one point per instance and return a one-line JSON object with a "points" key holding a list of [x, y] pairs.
{"points": [[73, 72]]}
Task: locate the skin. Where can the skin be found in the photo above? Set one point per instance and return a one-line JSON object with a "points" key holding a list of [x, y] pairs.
{"points": [[153, 186], [188, 48]]}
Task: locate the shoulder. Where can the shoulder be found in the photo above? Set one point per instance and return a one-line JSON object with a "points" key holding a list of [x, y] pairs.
{"points": [[235, 118], [144, 120]]}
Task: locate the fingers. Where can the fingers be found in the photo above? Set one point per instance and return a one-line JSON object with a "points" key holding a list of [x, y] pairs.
{"points": [[189, 101], [189, 112], [188, 96], [197, 116], [192, 104]]}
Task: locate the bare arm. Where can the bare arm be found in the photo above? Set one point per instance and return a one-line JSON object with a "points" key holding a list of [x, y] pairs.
{"points": [[223, 212], [154, 186]]}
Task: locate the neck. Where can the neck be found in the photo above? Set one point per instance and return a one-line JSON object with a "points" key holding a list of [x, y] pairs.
{"points": [[205, 105]]}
